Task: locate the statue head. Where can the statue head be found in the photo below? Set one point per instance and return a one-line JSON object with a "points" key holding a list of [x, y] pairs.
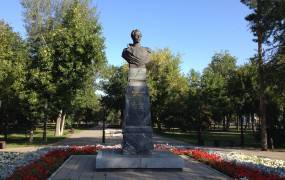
{"points": [[136, 36]]}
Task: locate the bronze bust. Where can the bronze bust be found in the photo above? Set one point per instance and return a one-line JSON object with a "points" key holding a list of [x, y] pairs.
{"points": [[137, 130], [136, 55]]}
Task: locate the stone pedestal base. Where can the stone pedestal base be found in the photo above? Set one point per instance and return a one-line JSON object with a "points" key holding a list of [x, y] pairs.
{"points": [[114, 159], [137, 130]]}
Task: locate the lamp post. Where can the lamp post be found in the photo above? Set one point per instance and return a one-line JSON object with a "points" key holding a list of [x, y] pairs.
{"points": [[103, 136]]}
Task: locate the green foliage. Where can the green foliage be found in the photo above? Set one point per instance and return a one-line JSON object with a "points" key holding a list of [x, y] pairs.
{"points": [[214, 84], [267, 22], [114, 88], [67, 52], [13, 58], [267, 16], [243, 89], [168, 88], [199, 114]]}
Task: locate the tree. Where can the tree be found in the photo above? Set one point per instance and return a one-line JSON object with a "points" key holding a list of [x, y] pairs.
{"points": [[214, 83], [168, 89], [198, 111], [267, 25], [66, 48], [114, 88], [242, 98], [13, 58]]}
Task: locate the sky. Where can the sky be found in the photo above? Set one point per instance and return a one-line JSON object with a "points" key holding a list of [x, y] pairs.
{"points": [[194, 29]]}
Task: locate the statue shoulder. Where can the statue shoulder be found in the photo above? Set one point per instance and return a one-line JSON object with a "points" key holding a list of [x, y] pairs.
{"points": [[129, 48], [148, 49]]}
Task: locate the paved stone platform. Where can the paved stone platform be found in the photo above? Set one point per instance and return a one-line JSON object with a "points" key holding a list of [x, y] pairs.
{"points": [[81, 167], [109, 159]]}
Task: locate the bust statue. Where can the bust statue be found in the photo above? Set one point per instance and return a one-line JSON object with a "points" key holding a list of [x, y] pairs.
{"points": [[136, 55], [137, 130]]}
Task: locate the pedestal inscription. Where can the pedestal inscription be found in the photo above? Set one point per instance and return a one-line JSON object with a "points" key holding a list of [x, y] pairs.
{"points": [[137, 131]]}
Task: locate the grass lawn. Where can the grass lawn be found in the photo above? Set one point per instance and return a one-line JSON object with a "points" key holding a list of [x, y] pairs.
{"points": [[225, 139], [20, 140]]}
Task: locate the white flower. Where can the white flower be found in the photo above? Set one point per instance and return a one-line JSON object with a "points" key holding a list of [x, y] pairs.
{"points": [[262, 163], [10, 160]]}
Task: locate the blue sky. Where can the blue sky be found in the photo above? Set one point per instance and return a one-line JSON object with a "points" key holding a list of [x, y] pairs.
{"points": [[194, 29]]}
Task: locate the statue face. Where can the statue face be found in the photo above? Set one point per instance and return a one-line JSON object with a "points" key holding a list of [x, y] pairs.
{"points": [[137, 37]]}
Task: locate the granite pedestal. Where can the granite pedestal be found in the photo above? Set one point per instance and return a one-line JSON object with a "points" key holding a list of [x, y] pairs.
{"points": [[137, 130], [115, 160]]}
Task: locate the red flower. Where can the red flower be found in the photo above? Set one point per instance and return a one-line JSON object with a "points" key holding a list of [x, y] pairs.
{"points": [[43, 167], [233, 170]]}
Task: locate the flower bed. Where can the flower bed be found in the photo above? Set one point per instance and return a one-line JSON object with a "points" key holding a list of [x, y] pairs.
{"points": [[266, 165], [9, 161], [235, 169], [42, 163], [46, 161]]}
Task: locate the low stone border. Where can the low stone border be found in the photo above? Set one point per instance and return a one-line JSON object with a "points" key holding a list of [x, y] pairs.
{"points": [[58, 169]]}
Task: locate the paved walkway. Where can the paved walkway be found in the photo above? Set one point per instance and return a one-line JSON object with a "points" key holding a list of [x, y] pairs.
{"points": [[94, 136]]}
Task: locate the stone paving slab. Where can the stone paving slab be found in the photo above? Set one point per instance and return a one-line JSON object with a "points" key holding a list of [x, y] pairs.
{"points": [[81, 167], [114, 159]]}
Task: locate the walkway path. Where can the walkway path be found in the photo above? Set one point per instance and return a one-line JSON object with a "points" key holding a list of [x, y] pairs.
{"points": [[94, 136]]}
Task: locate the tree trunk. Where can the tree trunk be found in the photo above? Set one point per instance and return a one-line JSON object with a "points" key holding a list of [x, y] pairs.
{"points": [[78, 121], [199, 134], [246, 122], [45, 132], [5, 130], [224, 123], [158, 125], [62, 123], [58, 122], [31, 138], [237, 123], [103, 129], [262, 113], [241, 132], [5, 136], [253, 125], [122, 117], [228, 123]]}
